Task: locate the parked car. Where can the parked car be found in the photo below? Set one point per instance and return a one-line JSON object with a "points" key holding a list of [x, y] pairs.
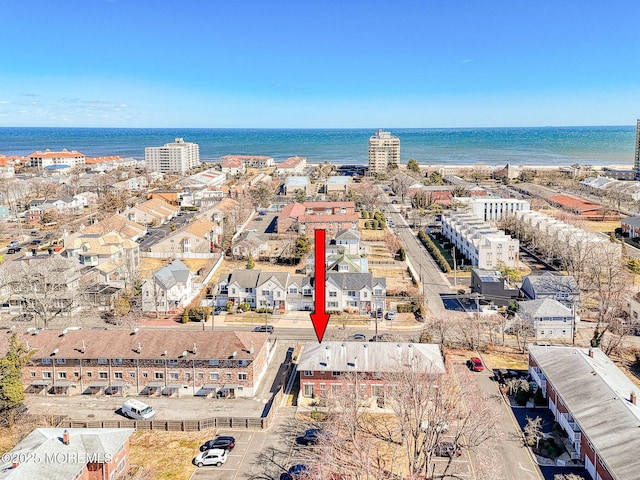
{"points": [[310, 436], [13, 243], [264, 328], [14, 249], [296, 472], [385, 337], [475, 364], [447, 449], [137, 410], [357, 337], [36, 241], [215, 456], [226, 443], [391, 315]]}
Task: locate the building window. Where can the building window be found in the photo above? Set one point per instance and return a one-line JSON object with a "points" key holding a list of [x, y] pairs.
{"points": [[242, 376], [158, 375], [173, 361], [76, 374], [89, 374], [117, 361], [46, 361], [62, 375], [333, 294], [200, 375], [46, 375], [132, 374], [335, 374], [214, 363], [103, 375], [214, 376], [102, 361], [117, 375], [61, 361], [308, 373], [173, 375], [377, 291], [32, 374], [308, 390]]}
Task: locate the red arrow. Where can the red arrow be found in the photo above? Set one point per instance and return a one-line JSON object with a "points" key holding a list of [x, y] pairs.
{"points": [[319, 317]]}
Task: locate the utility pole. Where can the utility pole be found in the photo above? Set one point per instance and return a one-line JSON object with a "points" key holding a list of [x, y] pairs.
{"points": [[455, 268]]}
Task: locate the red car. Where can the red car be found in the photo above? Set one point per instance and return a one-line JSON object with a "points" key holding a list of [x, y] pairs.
{"points": [[475, 364]]}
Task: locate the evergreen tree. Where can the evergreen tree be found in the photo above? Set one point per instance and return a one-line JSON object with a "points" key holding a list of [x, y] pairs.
{"points": [[413, 166], [11, 391], [250, 263]]}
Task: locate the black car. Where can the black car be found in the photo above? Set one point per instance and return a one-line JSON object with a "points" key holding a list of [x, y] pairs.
{"points": [[226, 443], [36, 241], [14, 249], [447, 449], [310, 436], [264, 328]]}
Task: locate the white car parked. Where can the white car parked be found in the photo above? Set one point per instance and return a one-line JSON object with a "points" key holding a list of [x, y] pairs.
{"points": [[215, 456]]}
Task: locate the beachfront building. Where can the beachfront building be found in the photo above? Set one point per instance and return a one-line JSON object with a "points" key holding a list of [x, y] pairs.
{"points": [[291, 166], [384, 150], [42, 160], [636, 163], [482, 244], [176, 157], [493, 208]]}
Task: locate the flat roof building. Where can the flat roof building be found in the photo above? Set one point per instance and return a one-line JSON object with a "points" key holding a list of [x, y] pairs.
{"points": [[384, 150], [176, 157]]}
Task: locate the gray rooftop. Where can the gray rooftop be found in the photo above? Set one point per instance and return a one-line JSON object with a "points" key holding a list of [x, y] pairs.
{"points": [[381, 357], [355, 281], [45, 443], [172, 274], [544, 307], [596, 393], [548, 282]]}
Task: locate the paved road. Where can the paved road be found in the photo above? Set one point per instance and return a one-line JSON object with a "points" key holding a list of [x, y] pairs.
{"points": [[517, 463]]}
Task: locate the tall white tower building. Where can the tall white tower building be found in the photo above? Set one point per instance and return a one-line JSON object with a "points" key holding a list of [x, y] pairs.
{"points": [[175, 157], [636, 163], [384, 149]]}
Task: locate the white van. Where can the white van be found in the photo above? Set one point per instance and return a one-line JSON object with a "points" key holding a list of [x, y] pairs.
{"points": [[137, 410]]}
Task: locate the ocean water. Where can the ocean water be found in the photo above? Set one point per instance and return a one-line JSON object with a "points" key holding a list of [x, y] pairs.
{"points": [[491, 146]]}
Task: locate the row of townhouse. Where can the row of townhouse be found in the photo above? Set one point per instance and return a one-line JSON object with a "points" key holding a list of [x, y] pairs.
{"points": [[64, 206], [483, 245], [238, 164], [153, 211], [291, 166], [41, 160], [595, 404], [329, 368], [145, 362], [355, 292]]}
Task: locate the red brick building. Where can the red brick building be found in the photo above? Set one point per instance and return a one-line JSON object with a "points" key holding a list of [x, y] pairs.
{"points": [[310, 216], [595, 404], [330, 366], [69, 454], [147, 362]]}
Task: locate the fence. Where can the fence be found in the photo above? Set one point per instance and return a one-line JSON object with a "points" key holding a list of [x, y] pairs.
{"points": [[249, 423]]}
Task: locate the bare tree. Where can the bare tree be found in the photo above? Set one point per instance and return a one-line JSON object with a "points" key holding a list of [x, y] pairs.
{"points": [[533, 431]]}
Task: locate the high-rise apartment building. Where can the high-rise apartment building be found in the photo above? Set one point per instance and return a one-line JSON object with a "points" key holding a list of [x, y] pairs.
{"points": [[636, 163], [175, 157], [384, 149]]}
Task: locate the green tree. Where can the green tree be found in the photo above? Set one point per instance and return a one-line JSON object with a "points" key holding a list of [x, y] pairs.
{"points": [[11, 391], [512, 308], [413, 166], [633, 264], [436, 179], [250, 263], [301, 195], [261, 195], [510, 273]]}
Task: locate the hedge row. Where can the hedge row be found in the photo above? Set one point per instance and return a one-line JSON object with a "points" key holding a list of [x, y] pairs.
{"points": [[434, 251]]}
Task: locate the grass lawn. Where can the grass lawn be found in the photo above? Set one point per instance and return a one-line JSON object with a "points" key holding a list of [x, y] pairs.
{"points": [[167, 455]]}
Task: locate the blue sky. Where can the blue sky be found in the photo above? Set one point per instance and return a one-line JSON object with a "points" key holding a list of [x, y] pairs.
{"points": [[334, 64]]}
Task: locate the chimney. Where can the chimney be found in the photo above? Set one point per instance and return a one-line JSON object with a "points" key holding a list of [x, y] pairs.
{"points": [[591, 352], [65, 437], [251, 348], [83, 349], [632, 397], [195, 349]]}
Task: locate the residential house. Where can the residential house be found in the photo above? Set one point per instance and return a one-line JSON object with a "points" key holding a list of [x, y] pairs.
{"points": [[117, 223], [195, 239], [562, 288], [7, 168], [496, 208], [307, 217], [271, 291], [73, 453], [169, 289], [232, 166], [337, 185], [291, 166], [238, 287], [492, 286], [549, 318], [85, 199], [326, 368], [152, 212], [294, 183], [145, 362], [355, 292], [249, 244], [300, 293], [346, 262], [346, 241], [583, 208], [116, 258], [595, 404]]}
